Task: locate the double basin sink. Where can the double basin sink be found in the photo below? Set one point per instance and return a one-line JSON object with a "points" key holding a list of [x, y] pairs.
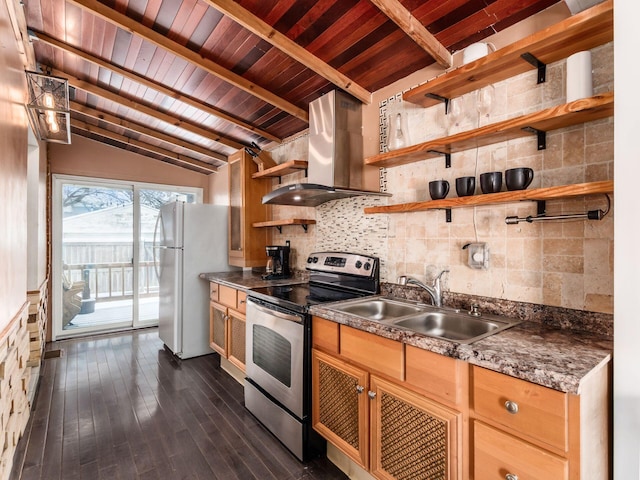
{"points": [[448, 324]]}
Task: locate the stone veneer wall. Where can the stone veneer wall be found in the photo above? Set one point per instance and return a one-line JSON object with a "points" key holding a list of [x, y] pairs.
{"points": [[566, 264]]}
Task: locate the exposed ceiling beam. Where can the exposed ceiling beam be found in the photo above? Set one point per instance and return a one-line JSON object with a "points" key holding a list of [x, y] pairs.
{"points": [[151, 111], [122, 21], [415, 30], [142, 145], [265, 31], [19, 25], [43, 37], [142, 130]]}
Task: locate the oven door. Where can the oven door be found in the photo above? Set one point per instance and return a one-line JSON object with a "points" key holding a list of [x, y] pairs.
{"points": [[275, 353]]}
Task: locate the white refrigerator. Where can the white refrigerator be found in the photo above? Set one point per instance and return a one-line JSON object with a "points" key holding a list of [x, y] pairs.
{"points": [[189, 239]]}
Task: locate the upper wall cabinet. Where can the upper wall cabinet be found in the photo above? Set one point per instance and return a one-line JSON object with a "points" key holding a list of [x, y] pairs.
{"points": [[246, 243]]}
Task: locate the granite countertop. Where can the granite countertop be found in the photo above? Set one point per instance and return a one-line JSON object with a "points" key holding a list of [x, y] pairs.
{"points": [[531, 351], [246, 279]]}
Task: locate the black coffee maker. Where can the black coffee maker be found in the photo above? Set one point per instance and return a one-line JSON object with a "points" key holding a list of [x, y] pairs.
{"points": [[278, 262]]}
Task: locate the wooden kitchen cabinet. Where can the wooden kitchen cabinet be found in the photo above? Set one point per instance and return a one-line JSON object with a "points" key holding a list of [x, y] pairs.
{"points": [[246, 243], [227, 323], [378, 401], [365, 410], [533, 432], [340, 407], [411, 436]]}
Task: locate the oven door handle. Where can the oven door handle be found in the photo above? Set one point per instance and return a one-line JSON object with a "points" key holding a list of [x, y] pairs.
{"points": [[275, 313]]}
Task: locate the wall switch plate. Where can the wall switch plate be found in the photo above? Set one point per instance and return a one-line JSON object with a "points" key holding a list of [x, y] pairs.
{"points": [[478, 255]]}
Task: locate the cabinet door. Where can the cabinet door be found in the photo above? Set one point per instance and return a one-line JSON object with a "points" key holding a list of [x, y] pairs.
{"points": [[236, 225], [340, 406], [246, 243], [236, 326], [214, 289], [218, 328], [412, 437], [497, 455]]}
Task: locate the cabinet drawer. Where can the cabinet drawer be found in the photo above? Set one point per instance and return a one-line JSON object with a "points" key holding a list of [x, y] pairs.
{"points": [[440, 377], [496, 454], [326, 334], [227, 296], [375, 352], [529, 409], [214, 290], [242, 301]]}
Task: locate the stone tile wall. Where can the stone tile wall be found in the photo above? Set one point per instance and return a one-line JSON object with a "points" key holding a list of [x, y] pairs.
{"points": [[565, 264]]}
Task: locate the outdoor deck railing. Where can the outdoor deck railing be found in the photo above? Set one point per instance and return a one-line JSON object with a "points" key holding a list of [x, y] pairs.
{"points": [[112, 281]]}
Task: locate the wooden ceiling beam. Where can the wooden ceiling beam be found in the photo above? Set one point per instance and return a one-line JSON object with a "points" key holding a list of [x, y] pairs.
{"points": [[80, 125], [19, 25], [415, 30], [152, 112], [142, 130], [283, 43], [125, 23], [43, 37]]}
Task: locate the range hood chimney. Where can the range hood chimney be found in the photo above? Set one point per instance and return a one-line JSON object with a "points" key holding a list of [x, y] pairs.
{"points": [[335, 155]]}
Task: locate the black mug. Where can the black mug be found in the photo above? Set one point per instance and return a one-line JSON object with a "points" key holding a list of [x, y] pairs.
{"points": [[438, 189], [465, 186], [518, 178], [491, 182]]}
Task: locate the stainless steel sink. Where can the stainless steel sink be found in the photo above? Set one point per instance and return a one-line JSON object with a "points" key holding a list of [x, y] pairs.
{"points": [[439, 322], [379, 309], [458, 327]]}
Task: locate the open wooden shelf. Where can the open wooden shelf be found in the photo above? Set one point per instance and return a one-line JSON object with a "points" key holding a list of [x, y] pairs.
{"points": [[284, 168], [583, 31], [287, 221], [536, 194], [573, 113]]}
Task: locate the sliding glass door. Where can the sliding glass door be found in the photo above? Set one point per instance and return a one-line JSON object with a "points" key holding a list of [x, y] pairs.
{"points": [[103, 262]]}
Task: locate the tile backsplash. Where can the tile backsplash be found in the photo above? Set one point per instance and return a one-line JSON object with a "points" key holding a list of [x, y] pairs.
{"points": [[565, 264]]}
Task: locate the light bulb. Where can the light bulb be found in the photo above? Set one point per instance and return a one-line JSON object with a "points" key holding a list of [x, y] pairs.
{"points": [[54, 127], [48, 100], [50, 117]]}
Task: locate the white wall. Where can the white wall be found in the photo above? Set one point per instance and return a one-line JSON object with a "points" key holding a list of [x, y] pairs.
{"points": [[627, 261]]}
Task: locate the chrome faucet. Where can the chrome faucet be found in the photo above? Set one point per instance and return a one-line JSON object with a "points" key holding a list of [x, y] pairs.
{"points": [[435, 290]]}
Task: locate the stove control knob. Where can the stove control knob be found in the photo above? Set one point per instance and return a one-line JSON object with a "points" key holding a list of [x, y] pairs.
{"points": [[358, 264], [367, 266], [310, 260]]}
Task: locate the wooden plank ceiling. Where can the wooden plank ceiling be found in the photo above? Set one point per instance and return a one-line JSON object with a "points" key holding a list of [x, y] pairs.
{"points": [[190, 81]]}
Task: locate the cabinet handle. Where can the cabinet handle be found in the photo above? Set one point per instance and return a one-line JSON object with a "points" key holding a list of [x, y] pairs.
{"points": [[359, 389], [511, 476], [371, 394], [512, 407]]}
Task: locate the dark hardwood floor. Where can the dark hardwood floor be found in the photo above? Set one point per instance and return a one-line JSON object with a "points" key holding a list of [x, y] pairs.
{"points": [[119, 407]]}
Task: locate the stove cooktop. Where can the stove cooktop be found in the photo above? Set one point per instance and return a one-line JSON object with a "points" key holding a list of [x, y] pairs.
{"points": [[334, 276]]}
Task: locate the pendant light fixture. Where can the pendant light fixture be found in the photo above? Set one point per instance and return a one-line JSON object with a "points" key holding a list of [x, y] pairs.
{"points": [[48, 107]]}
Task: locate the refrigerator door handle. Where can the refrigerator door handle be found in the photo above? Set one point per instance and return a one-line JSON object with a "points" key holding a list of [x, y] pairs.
{"points": [[156, 246]]}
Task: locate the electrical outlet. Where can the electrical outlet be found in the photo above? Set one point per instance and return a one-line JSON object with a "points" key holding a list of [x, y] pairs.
{"points": [[478, 255]]}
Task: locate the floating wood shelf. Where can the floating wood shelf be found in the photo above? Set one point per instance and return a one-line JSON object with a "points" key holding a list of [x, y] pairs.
{"points": [[573, 113], [287, 221], [536, 194], [284, 168], [583, 31]]}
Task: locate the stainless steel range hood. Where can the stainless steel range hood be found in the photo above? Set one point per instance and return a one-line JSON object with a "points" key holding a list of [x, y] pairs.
{"points": [[335, 155]]}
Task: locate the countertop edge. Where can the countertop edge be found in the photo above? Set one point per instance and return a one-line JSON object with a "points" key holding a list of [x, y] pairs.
{"points": [[246, 280]]}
